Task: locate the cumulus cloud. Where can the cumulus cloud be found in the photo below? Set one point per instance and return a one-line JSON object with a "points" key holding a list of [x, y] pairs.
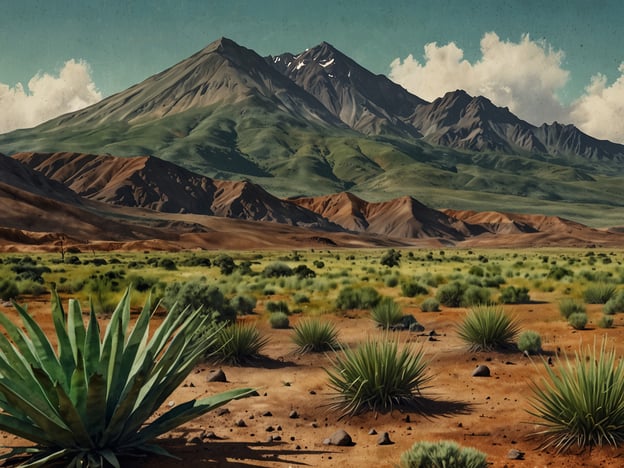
{"points": [[47, 96], [599, 111], [523, 76]]}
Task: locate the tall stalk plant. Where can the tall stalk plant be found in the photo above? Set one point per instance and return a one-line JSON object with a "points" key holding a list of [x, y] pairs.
{"points": [[87, 402]]}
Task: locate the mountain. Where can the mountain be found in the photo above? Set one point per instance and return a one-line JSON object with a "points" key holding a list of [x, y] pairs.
{"points": [[318, 123], [149, 182], [458, 120], [399, 218], [368, 103]]}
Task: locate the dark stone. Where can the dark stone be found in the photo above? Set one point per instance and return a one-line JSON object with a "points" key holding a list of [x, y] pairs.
{"points": [[340, 438], [372, 432], [223, 412], [241, 423], [481, 371], [515, 454], [293, 414], [269, 429], [267, 413], [217, 376], [210, 435], [384, 439]]}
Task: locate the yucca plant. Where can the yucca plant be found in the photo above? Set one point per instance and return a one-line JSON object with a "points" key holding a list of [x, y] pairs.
{"points": [[441, 454], [386, 313], [581, 401], [87, 402], [237, 344], [599, 293], [486, 328], [377, 375], [315, 336]]}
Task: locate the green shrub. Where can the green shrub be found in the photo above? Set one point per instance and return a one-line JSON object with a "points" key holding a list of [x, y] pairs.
{"points": [[167, 264], [391, 258], [386, 313], [606, 321], [376, 376], [615, 304], [487, 328], [412, 288], [225, 263], [31, 287], [300, 298], [236, 344], [598, 293], [475, 295], [392, 281], [580, 402], [8, 289], [195, 294], [365, 297], [451, 294], [315, 336], [442, 454], [430, 305], [513, 295], [476, 270], [277, 270], [277, 306], [558, 273], [279, 320], [578, 320], [242, 304], [90, 402], [530, 341], [569, 306]]}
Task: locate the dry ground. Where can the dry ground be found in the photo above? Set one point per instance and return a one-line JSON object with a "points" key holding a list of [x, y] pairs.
{"points": [[486, 413]]}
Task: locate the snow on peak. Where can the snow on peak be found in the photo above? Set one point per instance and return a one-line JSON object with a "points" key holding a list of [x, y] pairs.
{"points": [[326, 63], [300, 65]]}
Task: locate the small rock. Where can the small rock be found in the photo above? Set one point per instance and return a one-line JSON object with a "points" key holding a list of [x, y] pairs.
{"points": [[340, 438], [515, 454], [241, 423], [481, 371], [314, 425], [312, 392], [433, 333], [223, 412], [293, 414], [407, 418], [384, 439], [372, 432], [218, 376], [171, 404], [269, 429], [210, 435], [267, 413], [278, 428], [196, 440], [277, 438]]}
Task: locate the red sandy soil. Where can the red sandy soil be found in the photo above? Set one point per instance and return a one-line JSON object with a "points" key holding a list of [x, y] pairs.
{"points": [[489, 413]]}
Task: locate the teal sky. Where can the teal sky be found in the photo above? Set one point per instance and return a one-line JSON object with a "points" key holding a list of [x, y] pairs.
{"points": [[126, 41]]}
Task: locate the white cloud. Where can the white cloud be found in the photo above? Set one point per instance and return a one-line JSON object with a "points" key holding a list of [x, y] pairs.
{"points": [[47, 96], [599, 111], [523, 76]]}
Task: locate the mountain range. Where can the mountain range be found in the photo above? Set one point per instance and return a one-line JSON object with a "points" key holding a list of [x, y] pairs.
{"points": [[309, 125]]}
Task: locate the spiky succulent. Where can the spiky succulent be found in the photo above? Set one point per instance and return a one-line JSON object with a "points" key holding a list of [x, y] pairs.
{"points": [[87, 402]]}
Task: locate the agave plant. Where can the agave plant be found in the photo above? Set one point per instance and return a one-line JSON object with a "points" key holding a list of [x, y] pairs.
{"points": [[377, 376], [486, 328], [315, 336], [581, 401], [87, 403]]}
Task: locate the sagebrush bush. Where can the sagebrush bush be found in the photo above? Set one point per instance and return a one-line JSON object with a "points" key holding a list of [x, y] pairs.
{"points": [[569, 306], [243, 304], [598, 293], [277, 306], [386, 313], [606, 321], [365, 297], [451, 294], [530, 341], [236, 344], [487, 328], [315, 336], [277, 270], [578, 320], [279, 320], [442, 454], [430, 305], [580, 402], [411, 288], [377, 376], [615, 304], [197, 294], [513, 295], [475, 295]]}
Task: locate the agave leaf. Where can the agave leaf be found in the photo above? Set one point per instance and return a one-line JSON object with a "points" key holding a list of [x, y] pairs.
{"points": [[95, 415], [18, 337], [42, 347], [65, 352], [92, 345], [78, 387], [24, 429], [114, 362], [76, 328], [189, 410], [45, 460], [73, 419], [110, 457]]}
